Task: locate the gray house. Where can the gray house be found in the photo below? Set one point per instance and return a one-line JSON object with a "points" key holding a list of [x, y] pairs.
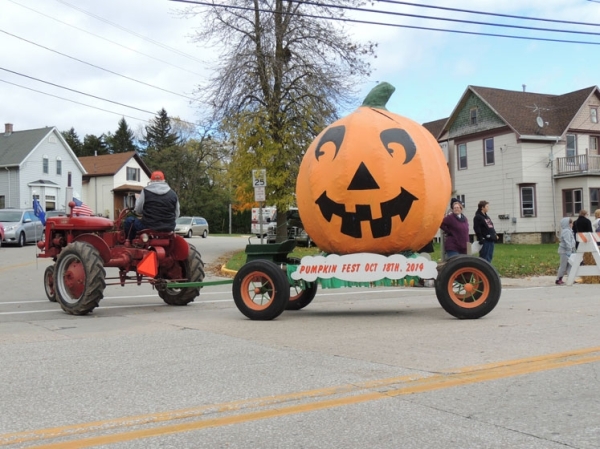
{"points": [[534, 157], [40, 163]]}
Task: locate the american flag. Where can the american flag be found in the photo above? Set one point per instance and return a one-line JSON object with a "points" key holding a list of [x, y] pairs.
{"points": [[81, 208]]}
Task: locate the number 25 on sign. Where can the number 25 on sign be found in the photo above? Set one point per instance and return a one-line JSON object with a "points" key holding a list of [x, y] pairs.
{"points": [[259, 177]]}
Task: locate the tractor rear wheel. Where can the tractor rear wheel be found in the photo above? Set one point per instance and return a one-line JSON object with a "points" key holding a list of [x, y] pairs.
{"points": [[301, 292], [261, 290], [79, 278], [49, 283], [467, 287], [193, 271]]}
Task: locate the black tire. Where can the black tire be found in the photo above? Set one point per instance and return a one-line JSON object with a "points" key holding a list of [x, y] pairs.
{"points": [[21, 240], [467, 287], [189, 234], [261, 290], [193, 271], [79, 278], [205, 234], [49, 283], [301, 292]]}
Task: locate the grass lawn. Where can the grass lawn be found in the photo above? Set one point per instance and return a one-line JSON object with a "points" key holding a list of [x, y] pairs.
{"points": [[511, 261]]}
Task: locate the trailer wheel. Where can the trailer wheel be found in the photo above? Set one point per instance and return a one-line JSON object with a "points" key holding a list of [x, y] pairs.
{"points": [[467, 287], [49, 283], [79, 278], [301, 292], [261, 290], [193, 271]]}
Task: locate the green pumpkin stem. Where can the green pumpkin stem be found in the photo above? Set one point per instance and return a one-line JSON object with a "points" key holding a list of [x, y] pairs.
{"points": [[379, 96]]}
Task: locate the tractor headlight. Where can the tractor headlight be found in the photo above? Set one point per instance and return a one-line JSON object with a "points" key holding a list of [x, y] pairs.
{"points": [[145, 237]]}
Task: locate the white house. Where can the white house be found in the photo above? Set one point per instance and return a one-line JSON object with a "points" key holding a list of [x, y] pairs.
{"points": [[534, 157], [110, 179], [37, 162]]}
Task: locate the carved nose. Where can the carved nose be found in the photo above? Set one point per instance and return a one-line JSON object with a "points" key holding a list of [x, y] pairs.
{"points": [[362, 179]]}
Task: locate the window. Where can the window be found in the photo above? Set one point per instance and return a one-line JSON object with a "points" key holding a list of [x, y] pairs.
{"points": [[473, 116], [133, 174], [594, 115], [462, 156], [527, 200], [571, 148], [594, 199], [593, 145], [58, 166], [461, 198], [2, 201], [572, 201], [488, 147], [45, 165]]}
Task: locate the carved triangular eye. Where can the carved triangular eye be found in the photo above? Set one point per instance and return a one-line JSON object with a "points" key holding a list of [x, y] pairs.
{"points": [[362, 179]]}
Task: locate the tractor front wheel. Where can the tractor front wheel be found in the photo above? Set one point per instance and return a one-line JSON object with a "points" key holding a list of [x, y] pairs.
{"points": [[79, 278], [193, 271], [49, 283], [261, 290], [467, 287]]}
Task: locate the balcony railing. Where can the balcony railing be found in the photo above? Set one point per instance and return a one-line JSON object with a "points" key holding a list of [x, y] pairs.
{"points": [[582, 164]]}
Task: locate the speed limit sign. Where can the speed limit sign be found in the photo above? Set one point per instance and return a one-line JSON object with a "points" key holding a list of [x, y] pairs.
{"points": [[259, 177]]}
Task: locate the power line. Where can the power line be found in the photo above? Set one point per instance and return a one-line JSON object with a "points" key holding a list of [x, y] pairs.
{"points": [[76, 91], [366, 22], [73, 101], [96, 66], [127, 30], [105, 39], [510, 16]]}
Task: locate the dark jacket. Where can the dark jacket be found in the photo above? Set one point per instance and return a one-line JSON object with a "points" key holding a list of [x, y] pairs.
{"points": [[457, 233], [582, 224], [483, 227], [159, 206]]}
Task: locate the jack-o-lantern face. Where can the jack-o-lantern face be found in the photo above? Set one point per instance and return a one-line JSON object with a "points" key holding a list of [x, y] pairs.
{"points": [[373, 182]]}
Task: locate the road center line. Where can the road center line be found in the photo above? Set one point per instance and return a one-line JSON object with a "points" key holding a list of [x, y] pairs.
{"points": [[319, 399]]}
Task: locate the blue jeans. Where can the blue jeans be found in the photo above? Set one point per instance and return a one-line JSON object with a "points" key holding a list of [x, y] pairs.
{"points": [[132, 226], [450, 254], [487, 251]]}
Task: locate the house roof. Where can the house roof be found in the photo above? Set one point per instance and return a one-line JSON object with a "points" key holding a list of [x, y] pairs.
{"points": [[16, 146], [436, 127], [519, 110], [110, 164]]}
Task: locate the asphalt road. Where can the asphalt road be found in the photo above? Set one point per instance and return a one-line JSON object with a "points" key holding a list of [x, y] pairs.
{"points": [[358, 368]]}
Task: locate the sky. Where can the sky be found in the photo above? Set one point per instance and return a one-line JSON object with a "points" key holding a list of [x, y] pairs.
{"points": [[61, 60]]}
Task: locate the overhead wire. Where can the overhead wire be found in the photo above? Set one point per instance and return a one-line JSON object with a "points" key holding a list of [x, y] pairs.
{"points": [[368, 22], [96, 66]]}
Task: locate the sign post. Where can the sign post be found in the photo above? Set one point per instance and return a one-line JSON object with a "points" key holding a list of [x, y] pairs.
{"points": [[259, 181]]}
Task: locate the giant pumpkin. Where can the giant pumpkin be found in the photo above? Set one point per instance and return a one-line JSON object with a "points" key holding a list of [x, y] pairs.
{"points": [[373, 181]]}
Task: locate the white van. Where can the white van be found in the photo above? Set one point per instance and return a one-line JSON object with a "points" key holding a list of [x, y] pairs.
{"points": [[268, 215]]}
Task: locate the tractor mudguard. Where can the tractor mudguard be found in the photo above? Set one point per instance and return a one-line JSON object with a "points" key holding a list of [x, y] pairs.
{"points": [[97, 243]]}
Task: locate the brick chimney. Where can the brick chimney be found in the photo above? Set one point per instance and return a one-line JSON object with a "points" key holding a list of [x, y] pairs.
{"points": [[8, 129]]}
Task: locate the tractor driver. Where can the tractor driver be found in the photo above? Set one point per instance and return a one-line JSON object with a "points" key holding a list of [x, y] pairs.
{"points": [[157, 204]]}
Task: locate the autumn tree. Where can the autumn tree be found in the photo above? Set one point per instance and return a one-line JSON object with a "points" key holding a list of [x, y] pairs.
{"points": [[285, 69]]}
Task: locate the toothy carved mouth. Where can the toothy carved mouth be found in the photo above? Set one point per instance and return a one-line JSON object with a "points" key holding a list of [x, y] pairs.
{"points": [[380, 227]]}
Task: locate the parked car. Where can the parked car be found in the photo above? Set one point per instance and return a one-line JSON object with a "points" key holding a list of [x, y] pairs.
{"points": [[189, 226], [1, 234], [21, 226], [55, 213], [295, 229]]}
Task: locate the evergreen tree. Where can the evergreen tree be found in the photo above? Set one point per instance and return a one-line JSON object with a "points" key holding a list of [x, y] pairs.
{"points": [[159, 133], [93, 145], [122, 140], [73, 140]]}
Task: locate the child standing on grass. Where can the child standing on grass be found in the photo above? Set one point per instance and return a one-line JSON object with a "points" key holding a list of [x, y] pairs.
{"points": [[566, 247]]}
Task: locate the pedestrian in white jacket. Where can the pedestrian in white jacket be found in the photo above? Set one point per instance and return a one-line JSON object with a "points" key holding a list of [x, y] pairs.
{"points": [[566, 247]]}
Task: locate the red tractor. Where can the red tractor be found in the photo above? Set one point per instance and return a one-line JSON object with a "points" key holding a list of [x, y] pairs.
{"points": [[82, 246]]}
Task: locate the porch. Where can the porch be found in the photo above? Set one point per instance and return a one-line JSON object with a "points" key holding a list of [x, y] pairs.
{"points": [[578, 165]]}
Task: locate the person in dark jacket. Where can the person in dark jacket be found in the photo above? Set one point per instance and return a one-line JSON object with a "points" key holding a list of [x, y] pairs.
{"points": [[582, 224], [456, 228], [484, 231], [157, 204]]}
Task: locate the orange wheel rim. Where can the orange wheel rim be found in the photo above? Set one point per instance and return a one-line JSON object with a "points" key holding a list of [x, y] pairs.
{"points": [[257, 291], [469, 287]]}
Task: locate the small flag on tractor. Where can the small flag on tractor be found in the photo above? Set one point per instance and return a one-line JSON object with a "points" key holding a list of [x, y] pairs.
{"points": [[81, 208]]}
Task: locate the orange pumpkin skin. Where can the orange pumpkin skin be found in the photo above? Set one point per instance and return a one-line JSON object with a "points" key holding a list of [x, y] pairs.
{"points": [[373, 181]]}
